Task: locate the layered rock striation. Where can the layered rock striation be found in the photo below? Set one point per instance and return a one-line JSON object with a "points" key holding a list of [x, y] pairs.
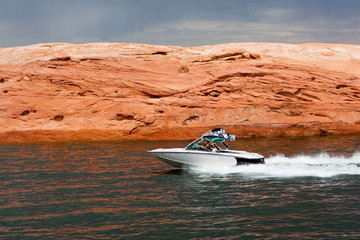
{"points": [[113, 91]]}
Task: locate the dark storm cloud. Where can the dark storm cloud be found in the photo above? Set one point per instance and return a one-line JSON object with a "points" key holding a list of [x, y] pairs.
{"points": [[185, 23]]}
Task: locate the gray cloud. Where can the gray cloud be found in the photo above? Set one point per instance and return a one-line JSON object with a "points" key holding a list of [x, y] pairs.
{"points": [[184, 23]]}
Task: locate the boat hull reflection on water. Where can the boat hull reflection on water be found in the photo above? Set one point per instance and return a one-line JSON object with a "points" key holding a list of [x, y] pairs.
{"points": [[204, 152]]}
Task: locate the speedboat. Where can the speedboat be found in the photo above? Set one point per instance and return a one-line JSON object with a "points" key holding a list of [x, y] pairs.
{"points": [[204, 151]]}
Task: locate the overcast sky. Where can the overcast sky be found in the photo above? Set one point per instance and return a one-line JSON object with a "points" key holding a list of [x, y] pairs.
{"points": [[179, 22]]}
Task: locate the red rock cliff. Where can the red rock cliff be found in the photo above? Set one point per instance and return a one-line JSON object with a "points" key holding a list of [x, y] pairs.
{"points": [[104, 91]]}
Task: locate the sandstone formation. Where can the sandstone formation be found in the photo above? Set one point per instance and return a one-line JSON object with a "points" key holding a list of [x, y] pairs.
{"points": [[113, 91]]}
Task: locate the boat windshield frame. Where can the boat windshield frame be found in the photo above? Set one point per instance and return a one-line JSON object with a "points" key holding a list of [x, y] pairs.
{"points": [[198, 145]]}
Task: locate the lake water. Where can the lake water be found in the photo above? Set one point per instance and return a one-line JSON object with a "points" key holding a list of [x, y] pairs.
{"points": [[308, 189]]}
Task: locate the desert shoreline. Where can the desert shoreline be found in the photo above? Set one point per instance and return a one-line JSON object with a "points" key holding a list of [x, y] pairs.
{"points": [[38, 136]]}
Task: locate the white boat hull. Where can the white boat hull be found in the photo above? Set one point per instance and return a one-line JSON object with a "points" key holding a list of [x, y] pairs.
{"points": [[179, 157]]}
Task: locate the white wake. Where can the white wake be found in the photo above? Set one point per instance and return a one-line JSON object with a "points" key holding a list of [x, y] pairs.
{"points": [[321, 165]]}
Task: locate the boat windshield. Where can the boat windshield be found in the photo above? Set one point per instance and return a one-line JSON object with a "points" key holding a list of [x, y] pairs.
{"points": [[200, 146]]}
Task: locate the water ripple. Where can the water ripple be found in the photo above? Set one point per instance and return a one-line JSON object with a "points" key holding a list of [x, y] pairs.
{"points": [[114, 190]]}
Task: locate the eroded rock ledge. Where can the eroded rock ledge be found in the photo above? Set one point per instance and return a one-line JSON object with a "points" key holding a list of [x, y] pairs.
{"points": [[113, 91]]}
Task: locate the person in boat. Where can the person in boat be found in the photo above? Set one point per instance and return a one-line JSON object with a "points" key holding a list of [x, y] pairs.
{"points": [[208, 145]]}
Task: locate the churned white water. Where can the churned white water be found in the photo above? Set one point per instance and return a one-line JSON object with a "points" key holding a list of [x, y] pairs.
{"points": [[320, 165]]}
